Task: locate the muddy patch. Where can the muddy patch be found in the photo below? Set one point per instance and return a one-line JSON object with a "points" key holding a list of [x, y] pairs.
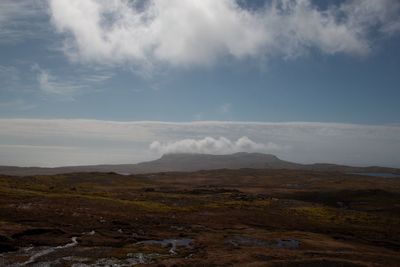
{"points": [[37, 231], [237, 241]]}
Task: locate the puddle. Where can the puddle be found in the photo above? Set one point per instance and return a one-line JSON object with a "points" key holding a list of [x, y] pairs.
{"points": [[173, 243], [124, 173], [287, 243], [49, 250], [34, 253], [131, 260], [75, 259], [40, 256], [89, 233], [276, 243]]}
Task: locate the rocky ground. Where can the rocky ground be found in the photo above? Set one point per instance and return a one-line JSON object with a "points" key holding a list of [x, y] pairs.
{"points": [[207, 218]]}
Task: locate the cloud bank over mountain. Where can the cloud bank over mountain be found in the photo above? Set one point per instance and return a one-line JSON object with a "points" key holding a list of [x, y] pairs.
{"points": [[210, 145], [199, 32], [58, 142]]}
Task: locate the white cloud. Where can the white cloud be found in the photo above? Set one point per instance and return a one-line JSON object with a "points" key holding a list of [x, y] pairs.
{"points": [[35, 141], [51, 85], [210, 145], [364, 14], [67, 86], [199, 32]]}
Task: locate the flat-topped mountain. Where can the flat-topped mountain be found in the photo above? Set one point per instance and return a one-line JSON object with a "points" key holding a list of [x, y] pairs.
{"points": [[186, 162], [195, 162]]}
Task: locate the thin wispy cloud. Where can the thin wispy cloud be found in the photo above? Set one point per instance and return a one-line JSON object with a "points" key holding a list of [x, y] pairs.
{"points": [[21, 20], [51, 85], [98, 78], [18, 104], [67, 86], [225, 108], [199, 32], [9, 77]]}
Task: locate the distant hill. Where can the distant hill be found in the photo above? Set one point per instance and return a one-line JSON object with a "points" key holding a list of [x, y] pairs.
{"points": [[194, 162]]}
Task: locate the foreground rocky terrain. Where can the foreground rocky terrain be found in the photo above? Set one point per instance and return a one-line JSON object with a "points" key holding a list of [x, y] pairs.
{"points": [[241, 217]]}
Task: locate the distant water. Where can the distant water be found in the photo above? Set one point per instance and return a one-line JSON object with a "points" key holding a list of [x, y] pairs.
{"points": [[123, 173], [378, 174]]}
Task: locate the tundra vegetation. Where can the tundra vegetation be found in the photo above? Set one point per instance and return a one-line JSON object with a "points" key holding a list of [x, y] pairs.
{"points": [[240, 217]]}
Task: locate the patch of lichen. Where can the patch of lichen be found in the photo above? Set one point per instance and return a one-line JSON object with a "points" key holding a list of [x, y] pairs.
{"points": [[348, 218], [239, 204]]}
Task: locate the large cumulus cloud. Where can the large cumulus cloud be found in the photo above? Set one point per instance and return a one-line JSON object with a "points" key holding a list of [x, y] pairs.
{"points": [[199, 32]]}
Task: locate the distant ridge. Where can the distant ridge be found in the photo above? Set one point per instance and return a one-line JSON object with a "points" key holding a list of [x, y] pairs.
{"points": [[186, 162]]}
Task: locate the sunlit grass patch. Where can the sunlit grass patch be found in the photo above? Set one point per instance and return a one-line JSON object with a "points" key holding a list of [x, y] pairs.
{"points": [[140, 204], [331, 216], [239, 204]]}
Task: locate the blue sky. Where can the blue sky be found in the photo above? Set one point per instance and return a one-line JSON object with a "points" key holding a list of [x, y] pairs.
{"points": [[183, 61]]}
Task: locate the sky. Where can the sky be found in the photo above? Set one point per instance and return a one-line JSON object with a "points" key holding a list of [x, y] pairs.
{"points": [[122, 81]]}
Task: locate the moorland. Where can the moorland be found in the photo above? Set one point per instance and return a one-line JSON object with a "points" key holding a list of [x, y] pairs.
{"points": [[245, 217]]}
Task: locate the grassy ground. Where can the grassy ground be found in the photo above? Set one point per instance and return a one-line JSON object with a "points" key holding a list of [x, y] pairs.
{"points": [[231, 218]]}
